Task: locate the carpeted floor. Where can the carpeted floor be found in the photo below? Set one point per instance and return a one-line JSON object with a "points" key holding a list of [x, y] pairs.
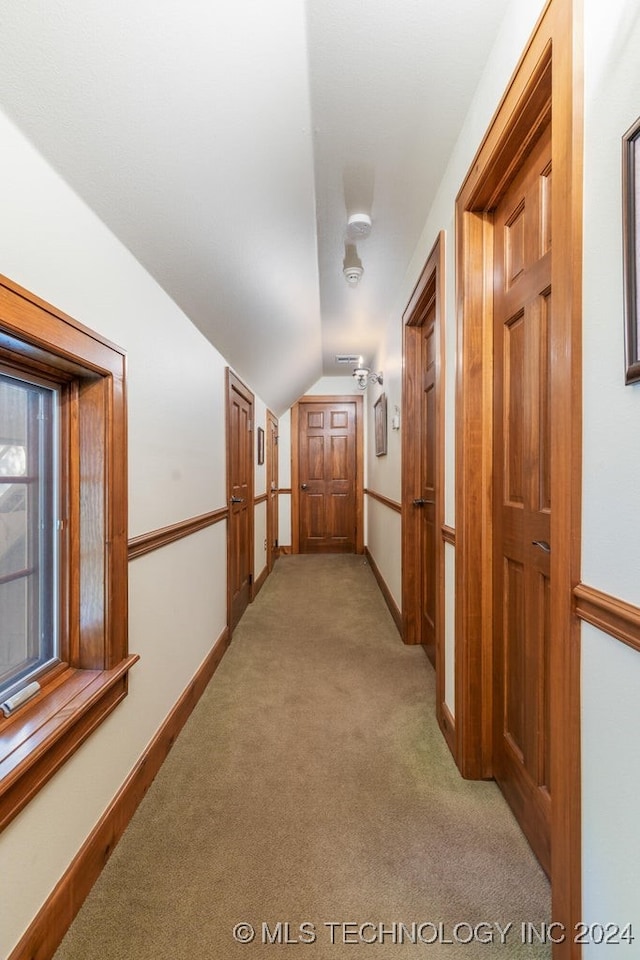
{"points": [[311, 787]]}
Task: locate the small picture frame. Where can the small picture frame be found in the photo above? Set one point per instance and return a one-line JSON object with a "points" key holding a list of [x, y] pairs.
{"points": [[260, 445], [380, 424], [631, 249]]}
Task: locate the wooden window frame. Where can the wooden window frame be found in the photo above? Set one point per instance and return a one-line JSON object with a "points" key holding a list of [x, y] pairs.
{"points": [[78, 693]]}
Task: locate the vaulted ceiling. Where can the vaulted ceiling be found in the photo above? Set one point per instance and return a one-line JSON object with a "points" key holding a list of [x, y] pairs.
{"points": [[227, 142]]}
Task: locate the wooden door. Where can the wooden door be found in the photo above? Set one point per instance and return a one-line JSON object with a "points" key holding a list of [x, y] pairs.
{"points": [[522, 503], [272, 489], [240, 497], [327, 473], [425, 503], [423, 473]]}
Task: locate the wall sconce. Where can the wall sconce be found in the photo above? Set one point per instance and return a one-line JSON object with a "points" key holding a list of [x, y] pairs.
{"points": [[364, 376]]}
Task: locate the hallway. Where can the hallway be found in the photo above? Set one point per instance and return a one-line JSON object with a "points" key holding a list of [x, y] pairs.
{"points": [[312, 785]]}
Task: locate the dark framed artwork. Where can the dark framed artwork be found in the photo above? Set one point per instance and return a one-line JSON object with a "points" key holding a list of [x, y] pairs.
{"points": [[380, 424], [631, 248], [260, 445]]}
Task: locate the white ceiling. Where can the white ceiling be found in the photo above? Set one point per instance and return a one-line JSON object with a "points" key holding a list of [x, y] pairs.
{"points": [[226, 142]]}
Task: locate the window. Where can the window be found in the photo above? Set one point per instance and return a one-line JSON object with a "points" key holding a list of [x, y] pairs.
{"points": [[29, 637], [63, 539]]}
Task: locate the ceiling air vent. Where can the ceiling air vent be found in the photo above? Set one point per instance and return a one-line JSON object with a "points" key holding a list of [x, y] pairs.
{"points": [[347, 358]]}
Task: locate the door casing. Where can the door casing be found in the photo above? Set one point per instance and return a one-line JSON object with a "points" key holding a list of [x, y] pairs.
{"points": [[429, 291], [547, 82], [295, 466], [236, 386]]}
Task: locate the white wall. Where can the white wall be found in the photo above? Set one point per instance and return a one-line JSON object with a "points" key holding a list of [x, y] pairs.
{"points": [[611, 490], [383, 534], [259, 540], [384, 528], [333, 387], [53, 245]]}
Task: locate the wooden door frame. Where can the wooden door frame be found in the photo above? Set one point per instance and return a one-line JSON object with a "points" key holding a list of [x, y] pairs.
{"points": [[233, 382], [295, 466], [548, 81], [430, 289], [272, 457]]}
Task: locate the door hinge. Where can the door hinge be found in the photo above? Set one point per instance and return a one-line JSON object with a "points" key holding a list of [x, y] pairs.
{"points": [[249, 425]]}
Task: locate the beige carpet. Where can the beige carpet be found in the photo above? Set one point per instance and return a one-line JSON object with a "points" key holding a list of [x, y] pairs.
{"points": [[311, 786]]}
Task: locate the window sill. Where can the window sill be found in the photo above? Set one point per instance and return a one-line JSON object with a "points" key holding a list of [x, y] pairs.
{"points": [[37, 740]]}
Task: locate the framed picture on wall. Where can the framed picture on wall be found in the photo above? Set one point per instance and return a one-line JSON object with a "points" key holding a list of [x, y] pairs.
{"points": [[631, 248], [260, 445], [380, 424]]}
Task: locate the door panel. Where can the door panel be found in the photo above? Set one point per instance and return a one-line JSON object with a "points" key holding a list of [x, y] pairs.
{"points": [[327, 471], [240, 493], [339, 459], [522, 508], [315, 458], [514, 667], [314, 506]]}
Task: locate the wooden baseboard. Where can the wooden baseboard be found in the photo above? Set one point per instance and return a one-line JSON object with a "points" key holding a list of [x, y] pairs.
{"points": [[54, 919], [258, 584], [285, 551], [394, 609], [447, 725]]}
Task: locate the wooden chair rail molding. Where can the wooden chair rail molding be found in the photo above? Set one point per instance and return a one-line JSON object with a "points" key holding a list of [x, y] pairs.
{"points": [[618, 618], [147, 542], [261, 498], [285, 490], [392, 504], [448, 534]]}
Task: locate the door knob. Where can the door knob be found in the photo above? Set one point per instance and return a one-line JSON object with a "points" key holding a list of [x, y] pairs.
{"points": [[303, 486], [421, 502], [237, 500]]}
